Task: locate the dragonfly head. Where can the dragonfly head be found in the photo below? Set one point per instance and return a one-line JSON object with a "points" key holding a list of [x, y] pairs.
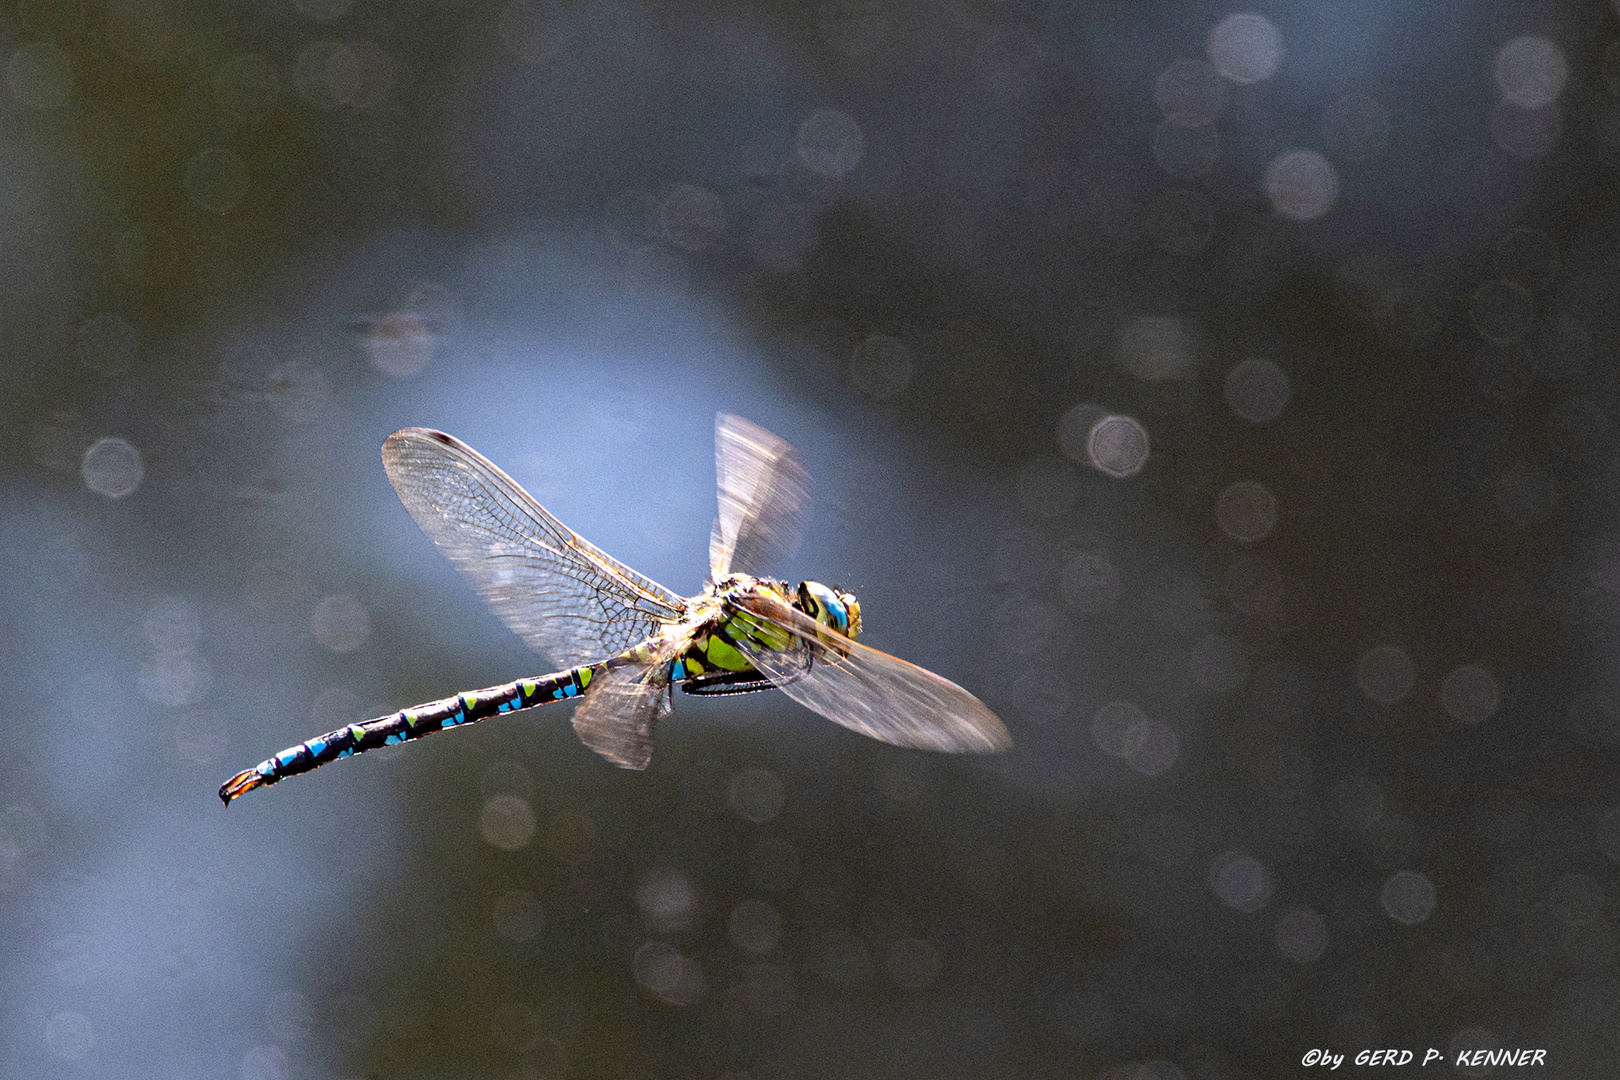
{"points": [[832, 607]]}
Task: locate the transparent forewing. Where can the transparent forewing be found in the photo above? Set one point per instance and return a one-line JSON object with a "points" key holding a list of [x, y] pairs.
{"points": [[869, 691], [568, 600], [623, 705], [764, 498]]}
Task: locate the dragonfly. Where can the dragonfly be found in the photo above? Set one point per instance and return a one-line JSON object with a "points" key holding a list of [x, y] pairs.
{"points": [[624, 642]]}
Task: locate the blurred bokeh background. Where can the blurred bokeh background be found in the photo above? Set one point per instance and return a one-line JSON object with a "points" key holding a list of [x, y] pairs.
{"points": [[1225, 394]]}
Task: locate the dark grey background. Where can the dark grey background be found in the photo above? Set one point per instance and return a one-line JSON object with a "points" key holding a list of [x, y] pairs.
{"points": [[1324, 759]]}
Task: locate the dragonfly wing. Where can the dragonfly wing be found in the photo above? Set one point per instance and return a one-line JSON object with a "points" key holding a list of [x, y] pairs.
{"points": [[870, 691], [617, 715], [764, 498], [566, 598]]}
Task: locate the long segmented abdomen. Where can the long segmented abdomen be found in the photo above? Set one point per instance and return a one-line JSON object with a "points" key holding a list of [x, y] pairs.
{"points": [[414, 723]]}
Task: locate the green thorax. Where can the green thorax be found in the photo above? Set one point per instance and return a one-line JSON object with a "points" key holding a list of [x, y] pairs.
{"points": [[715, 647]]}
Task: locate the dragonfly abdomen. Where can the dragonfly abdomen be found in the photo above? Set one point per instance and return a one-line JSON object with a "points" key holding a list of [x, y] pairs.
{"points": [[413, 723]]}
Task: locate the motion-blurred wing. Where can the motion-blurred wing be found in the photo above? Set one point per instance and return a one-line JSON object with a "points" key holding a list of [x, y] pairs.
{"points": [[567, 599], [764, 498], [623, 705], [869, 691]]}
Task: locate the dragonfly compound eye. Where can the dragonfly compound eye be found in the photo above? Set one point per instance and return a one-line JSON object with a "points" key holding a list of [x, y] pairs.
{"points": [[824, 605]]}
